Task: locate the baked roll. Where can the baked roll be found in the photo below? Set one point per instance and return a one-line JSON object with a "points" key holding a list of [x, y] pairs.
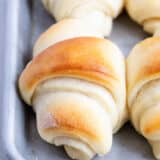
{"points": [[65, 29], [143, 76], [146, 13], [77, 90], [97, 14]]}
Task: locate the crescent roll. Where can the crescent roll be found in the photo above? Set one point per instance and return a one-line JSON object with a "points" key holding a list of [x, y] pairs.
{"points": [[146, 13], [143, 74], [77, 90], [97, 14]]}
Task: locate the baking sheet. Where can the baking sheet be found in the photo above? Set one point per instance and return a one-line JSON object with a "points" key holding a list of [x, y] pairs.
{"points": [[23, 22]]}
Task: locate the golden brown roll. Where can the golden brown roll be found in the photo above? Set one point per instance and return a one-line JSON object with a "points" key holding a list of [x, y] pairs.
{"points": [[97, 14], [77, 89], [146, 13], [143, 69]]}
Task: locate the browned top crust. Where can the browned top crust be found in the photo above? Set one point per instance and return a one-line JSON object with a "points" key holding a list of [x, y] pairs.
{"points": [[92, 59], [144, 61]]}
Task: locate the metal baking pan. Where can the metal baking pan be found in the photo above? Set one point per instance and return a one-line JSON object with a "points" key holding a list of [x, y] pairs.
{"points": [[22, 21]]}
